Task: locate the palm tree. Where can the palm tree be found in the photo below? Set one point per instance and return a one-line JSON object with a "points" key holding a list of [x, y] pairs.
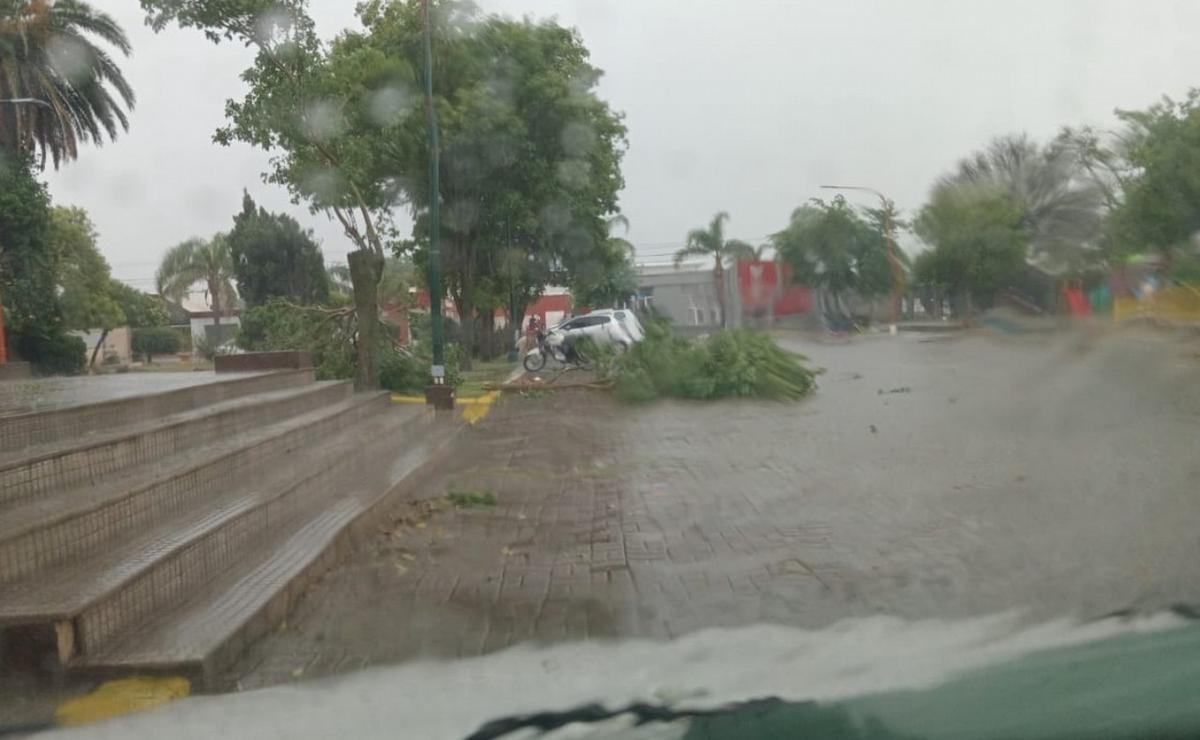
{"points": [[1062, 206], [199, 261], [59, 85], [711, 242]]}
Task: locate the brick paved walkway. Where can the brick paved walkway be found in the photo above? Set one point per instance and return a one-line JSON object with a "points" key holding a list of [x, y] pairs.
{"points": [[924, 479]]}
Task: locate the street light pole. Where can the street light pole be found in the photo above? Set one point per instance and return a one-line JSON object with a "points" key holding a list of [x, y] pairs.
{"points": [[439, 395], [897, 271]]}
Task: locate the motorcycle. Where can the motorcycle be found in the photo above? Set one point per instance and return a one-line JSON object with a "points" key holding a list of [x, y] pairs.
{"points": [[551, 345]]}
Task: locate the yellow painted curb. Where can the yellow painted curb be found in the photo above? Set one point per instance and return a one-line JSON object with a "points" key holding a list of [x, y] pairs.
{"points": [[126, 695], [477, 408], [473, 409]]}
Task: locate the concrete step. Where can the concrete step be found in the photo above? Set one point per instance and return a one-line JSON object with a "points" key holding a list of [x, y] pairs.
{"points": [[24, 430], [209, 630], [106, 593], [52, 467], [64, 525]]}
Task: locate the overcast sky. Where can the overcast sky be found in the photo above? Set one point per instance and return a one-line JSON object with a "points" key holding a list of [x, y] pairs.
{"points": [[743, 106]]}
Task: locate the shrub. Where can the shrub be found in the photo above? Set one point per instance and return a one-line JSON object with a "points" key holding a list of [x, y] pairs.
{"points": [[207, 348], [159, 340], [402, 371], [731, 363], [51, 351]]}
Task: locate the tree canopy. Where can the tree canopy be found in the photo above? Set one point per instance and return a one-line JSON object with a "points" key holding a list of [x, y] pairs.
{"points": [[1161, 206], [204, 261], [833, 246], [142, 310], [87, 296], [273, 256], [979, 239], [71, 90], [530, 156], [29, 272], [1061, 210]]}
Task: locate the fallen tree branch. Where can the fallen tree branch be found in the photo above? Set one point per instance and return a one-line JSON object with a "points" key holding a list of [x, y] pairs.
{"points": [[600, 385]]}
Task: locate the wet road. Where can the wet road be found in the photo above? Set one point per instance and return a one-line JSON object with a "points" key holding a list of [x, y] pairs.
{"points": [[943, 478], [962, 476]]}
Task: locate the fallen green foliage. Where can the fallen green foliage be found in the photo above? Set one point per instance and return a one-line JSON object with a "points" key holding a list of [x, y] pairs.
{"points": [[329, 334], [729, 363], [469, 498]]}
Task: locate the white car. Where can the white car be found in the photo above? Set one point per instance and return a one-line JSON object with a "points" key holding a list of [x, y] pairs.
{"points": [[602, 327], [627, 319]]}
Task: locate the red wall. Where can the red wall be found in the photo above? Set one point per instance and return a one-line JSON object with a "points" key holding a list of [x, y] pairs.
{"points": [[765, 285]]}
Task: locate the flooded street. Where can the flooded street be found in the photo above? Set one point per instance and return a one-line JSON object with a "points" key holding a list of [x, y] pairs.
{"points": [[950, 478]]}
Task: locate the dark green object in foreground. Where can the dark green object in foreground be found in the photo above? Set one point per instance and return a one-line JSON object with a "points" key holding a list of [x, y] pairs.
{"points": [[1133, 686]]}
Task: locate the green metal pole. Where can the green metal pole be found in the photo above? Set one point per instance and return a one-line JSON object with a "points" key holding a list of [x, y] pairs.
{"points": [[435, 252]]}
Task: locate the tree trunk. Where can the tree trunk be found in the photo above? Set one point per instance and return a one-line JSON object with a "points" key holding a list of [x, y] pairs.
{"points": [[466, 318], [96, 351], [487, 339], [516, 319], [719, 279], [366, 268], [214, 291]]}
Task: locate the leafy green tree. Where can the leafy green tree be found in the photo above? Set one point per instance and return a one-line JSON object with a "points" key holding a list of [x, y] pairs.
{"points": [[29, 272], [1061, 209], [530, 158], [833, 247], [142, 310], [1102, 159], [979, 240], [87, 297], [273, 256], [48, 54], [530, 155], [330, 125], [155, 340], [1161, 206], [199, 261], [711, 242]]}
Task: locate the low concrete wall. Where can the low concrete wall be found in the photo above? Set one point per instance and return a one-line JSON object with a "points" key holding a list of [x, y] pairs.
{"points": [[253, 361], [14, 370]]}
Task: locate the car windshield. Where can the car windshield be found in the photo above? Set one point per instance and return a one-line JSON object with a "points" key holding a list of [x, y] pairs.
{"points": [[544, 363]]}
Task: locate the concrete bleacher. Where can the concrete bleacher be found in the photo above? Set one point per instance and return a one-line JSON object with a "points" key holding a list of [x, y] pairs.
{"points": [[162, 531]]}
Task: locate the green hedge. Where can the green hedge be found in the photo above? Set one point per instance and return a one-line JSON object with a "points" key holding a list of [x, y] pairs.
{"points": [[158, 340]]}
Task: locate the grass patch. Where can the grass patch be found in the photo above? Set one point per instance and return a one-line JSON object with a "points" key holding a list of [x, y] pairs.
{"points": [[494, 371], [471, 499]]}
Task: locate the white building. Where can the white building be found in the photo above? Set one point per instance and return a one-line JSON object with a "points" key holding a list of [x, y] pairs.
{"points": [[203, 322]]}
